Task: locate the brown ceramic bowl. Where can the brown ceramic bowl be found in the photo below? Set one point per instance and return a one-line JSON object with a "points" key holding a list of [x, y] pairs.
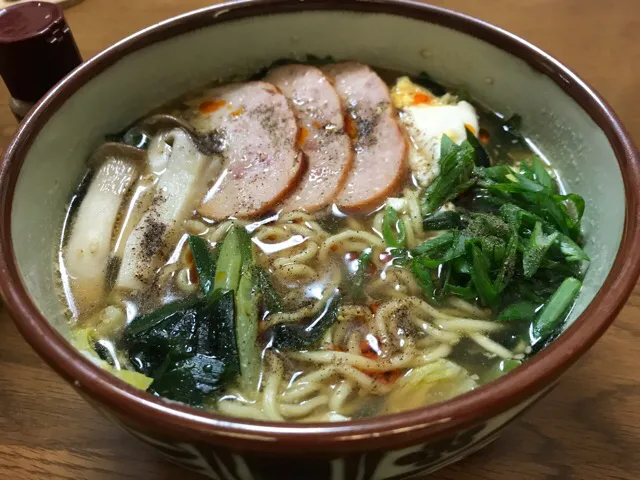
{"points": [[563, 116]]}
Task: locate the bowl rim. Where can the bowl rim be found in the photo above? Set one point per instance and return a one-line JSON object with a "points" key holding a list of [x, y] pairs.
{"points": [[148, 412]]}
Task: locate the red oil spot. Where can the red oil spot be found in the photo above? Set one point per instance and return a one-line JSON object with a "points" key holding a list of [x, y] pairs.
{"points": [[210, 106], [421, 98]]}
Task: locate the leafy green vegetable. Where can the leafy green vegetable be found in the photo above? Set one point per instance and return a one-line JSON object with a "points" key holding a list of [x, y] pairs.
{"points": [[270, 297], [521, 310], [248, 296], [189, 380], [361, 273], [480, 276], [301, 336], [456, 167], [205, 262], [555, 309], [443, 220], [174, 335], [423, 276], [161, 344], [222, 333], [230, 260], [143, 323], [536, 249], [393, 229], [482, 156]]}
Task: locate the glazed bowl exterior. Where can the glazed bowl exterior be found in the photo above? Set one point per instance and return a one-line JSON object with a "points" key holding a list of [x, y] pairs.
{"points": [[563, 117]]}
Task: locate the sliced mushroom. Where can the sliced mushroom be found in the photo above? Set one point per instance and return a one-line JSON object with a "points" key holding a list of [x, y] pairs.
{"points": [[179, 190], [87, 252]]}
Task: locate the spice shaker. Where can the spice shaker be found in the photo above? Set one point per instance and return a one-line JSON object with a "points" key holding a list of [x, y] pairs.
{"points": [[37, 50]]}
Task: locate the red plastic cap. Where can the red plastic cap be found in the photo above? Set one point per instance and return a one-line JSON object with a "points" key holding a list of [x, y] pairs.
{"points": [[37, 49]]}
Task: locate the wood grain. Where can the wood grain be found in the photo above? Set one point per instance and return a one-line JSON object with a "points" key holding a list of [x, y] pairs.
{"points": [[587, 429]]}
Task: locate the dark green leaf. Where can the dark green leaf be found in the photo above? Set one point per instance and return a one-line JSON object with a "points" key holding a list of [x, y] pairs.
{"points": [[393, 229], [555, 309], [440, 250], [361, 274], [144, 323], [205, 262], [536, 249], [301, 336], [232, 258], [467, 293], [222, 332], [519, 311], [456, 166], [443, 220], [270, 297], [189, 380], [175, 336], [423, 276], [508, 267], [481, 278], [482, 158], [541, 175], [571, 250]]}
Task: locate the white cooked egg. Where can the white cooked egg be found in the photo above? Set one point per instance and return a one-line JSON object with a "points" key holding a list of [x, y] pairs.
{"points": [[426, 123]]}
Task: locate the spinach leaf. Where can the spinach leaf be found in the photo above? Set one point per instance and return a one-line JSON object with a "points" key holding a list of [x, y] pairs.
{"points": [[304, 335], [223, 342], [270, 297], [189, 380]]}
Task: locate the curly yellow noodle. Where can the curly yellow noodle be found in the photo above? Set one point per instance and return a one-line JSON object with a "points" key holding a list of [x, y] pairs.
{"points": [[289, 410], [348, 241], [340, 395]]}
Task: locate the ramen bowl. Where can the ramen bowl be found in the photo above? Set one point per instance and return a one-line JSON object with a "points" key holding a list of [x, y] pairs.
{"points": [[565, 118]]}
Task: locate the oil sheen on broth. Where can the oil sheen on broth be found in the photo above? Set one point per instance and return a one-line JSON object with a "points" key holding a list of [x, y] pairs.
{"points": [[319, 244]]}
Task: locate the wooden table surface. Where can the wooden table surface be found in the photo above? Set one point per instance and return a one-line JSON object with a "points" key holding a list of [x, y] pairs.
{"points": [[588, 428]]}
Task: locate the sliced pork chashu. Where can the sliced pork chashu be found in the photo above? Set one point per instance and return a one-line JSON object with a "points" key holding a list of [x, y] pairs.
{"points": [[380, 146], [252, 126], [322, 136]]}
